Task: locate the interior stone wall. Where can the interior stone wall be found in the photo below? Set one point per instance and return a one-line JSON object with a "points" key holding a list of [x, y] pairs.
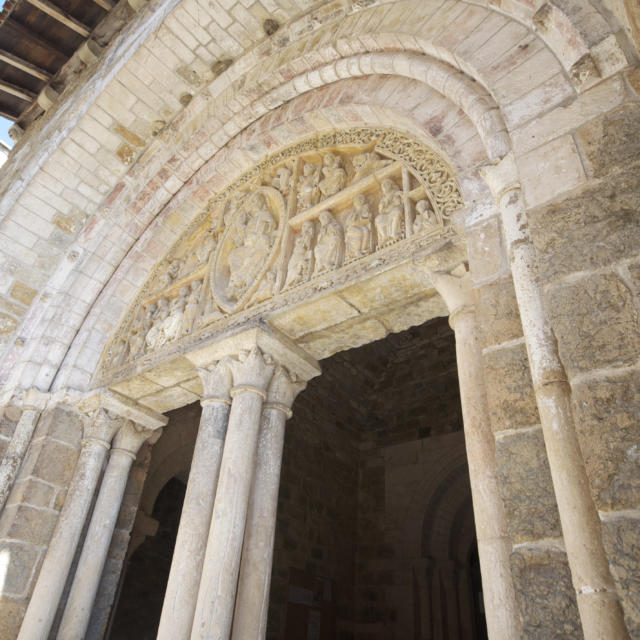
{"points": [[367, 448]]}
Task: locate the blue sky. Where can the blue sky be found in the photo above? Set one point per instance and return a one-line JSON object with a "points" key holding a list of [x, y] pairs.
{"points": [[4, 131]]}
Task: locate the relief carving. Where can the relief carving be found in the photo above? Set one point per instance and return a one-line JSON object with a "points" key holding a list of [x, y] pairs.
{"points": [[390, 214], [329, 250], [359, 232], [325, 207]]}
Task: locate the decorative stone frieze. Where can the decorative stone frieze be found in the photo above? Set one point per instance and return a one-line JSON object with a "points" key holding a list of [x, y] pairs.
{"points": [[317, 214]]}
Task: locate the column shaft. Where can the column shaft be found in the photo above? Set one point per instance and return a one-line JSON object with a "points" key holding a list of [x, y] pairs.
{"points": [[98, 538], [598, 604], [494, 544], [217, 593], [252, 603], [55, 568], [186, 565], [33, 404]]}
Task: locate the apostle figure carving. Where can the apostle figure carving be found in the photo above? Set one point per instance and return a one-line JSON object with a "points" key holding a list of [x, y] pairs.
{"points": [[390, 213], [301, 261], [155, 336], [329, 250], [282, 180], [308, 192], [138, 335], [358, 234], [425, 217], [173, 323], [253, 240], [334, 175], [191, 308]]}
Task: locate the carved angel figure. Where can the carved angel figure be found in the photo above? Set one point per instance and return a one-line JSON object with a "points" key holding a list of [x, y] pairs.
{"points": [[390, 213], [191, 308], [308, 193], [366, 163], [172, 273], [425, 217], [155, 336], [301, 261], [281, 180], [358, 234], [329, 250], [253, 241], [139, 333], [334, 175]]}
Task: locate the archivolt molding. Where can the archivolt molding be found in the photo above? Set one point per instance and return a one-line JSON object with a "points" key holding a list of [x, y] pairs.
{"points": [[315, 215], [267, 62]]}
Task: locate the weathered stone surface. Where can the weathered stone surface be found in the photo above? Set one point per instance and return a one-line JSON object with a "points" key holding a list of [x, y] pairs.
{"points": [[27, 524], [497, 312], [591, 230], [414, 313], [606, 412], [620, 537], [51, 461], [526, 488], [12, 614], [545, 594], [596, 322], [611, 141], [510, 394], [32, 492], [22, 560], [487, 256]]}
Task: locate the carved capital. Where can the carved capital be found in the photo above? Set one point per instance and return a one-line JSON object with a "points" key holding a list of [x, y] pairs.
{"points": [[455, 289], [283, 390], [216, 381], [252, 371], [35, 399], [131, 437], [501, 177], [100, 427]]}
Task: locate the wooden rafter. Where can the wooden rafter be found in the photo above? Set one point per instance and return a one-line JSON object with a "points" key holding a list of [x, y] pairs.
{"points": [[16, 91], [23, 65], [28, 35], [8, 116], [61, 16], [105, 4]]}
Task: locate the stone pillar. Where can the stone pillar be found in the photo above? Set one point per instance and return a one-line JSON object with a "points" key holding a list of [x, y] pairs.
{"points": [[251, 374], [252, 602], [494, 543], [41, 611], [32, 405], [216, 597], [598, 603], [77, 612], [186, 565]]}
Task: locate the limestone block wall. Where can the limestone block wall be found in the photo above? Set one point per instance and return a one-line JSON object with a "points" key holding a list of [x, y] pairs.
{"points": [[588, 242], [31, 512]]}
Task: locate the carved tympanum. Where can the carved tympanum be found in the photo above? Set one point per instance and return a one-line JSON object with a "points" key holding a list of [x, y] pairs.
{"points": [[313, 214]]}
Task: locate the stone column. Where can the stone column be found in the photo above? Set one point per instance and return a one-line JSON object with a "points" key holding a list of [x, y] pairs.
{"points": [[598, 603], [41, 611], [494, 543], [32, 405], [186, 565], [252, 602], [77, 612], [216, 597]]}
